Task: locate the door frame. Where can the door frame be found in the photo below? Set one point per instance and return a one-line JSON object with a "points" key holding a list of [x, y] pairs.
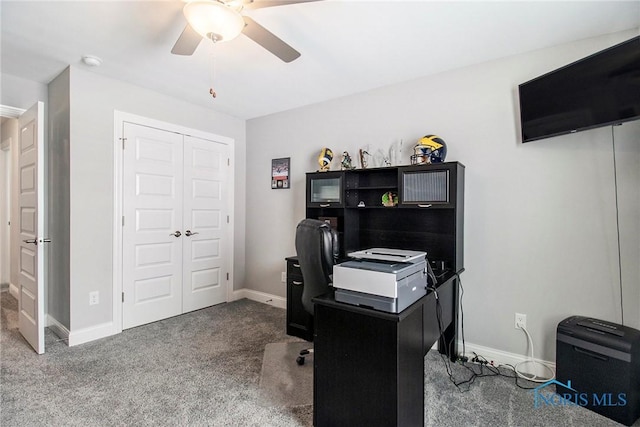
{"points": [[10, 113], [119, 118]]}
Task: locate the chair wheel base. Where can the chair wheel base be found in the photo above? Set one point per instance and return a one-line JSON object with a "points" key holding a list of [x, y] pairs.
{"points": [[300, 360]]}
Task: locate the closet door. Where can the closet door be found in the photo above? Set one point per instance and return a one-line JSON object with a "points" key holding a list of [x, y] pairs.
{"points": [[205, 250], [152, 233]]}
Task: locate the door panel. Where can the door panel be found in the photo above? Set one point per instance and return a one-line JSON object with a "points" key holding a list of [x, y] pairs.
{"points": [[204, 262], [31, 278], [152, 206]]}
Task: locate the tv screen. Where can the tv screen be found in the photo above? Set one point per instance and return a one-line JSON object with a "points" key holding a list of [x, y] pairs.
{"points": [[599, 90]]}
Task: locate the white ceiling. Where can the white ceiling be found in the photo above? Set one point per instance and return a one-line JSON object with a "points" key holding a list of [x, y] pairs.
{"points": [[347, 46]]}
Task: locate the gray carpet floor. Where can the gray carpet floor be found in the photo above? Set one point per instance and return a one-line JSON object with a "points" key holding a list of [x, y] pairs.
{"points": [[206, 368]]}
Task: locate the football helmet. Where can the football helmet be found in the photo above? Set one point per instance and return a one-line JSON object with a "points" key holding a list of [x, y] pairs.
{"points": [[325, 158], [429, 149]]}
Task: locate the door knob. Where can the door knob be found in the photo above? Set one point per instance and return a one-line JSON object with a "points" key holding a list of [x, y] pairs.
{"points": [[189, 233], [177, 234]]}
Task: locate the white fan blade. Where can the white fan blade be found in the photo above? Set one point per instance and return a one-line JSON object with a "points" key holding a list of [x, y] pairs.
{"points": [[187, 42], [268, 40]]}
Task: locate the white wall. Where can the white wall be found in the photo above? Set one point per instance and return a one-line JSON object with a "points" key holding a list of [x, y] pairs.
{"points": [[627, 145], [93, 101], [21, 93], [58, 142], [540, 230]]}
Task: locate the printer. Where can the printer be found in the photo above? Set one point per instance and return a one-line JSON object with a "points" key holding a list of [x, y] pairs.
{"points": [[384, 279]]}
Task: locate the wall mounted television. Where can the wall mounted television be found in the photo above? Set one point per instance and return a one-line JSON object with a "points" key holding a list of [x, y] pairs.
{"points": [[599, 90]]}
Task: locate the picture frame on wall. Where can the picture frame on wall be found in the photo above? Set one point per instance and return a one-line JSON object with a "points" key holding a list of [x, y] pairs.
{"points": [[280, 173]]}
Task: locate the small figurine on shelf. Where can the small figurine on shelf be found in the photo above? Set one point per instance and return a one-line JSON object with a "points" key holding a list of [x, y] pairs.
{"points": [[346, 161], [324, 159], [364, 155], [389, 199]]}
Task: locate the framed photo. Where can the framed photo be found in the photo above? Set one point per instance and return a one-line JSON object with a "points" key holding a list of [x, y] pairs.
{"points": [[280, 173]]}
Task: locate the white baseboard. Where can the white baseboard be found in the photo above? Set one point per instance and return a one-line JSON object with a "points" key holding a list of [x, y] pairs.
{"points": [[57, 328], [499, 357], [13, 290], [107, 329], [90, 334], [258, 296]]}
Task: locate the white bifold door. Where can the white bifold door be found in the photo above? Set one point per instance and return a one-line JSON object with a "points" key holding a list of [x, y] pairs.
{"points": [[176, 254]]}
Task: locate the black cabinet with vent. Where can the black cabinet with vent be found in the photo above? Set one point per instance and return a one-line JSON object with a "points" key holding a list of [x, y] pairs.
{"points": [[324, 189], [426, 213]]}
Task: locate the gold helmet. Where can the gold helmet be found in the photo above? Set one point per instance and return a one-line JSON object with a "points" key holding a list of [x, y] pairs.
{"points": [[429, 149], [324, 159]]}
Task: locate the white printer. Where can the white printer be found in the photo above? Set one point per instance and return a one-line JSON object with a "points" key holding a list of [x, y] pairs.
{"points": [[384, 279]]}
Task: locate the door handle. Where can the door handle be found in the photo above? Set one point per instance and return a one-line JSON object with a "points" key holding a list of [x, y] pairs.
{"points": [[34, 241], [177, 234], [45, 240], [189, 233]]}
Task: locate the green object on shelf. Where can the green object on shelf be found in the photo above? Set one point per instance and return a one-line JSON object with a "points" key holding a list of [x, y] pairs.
{"points": [[389, 199]]}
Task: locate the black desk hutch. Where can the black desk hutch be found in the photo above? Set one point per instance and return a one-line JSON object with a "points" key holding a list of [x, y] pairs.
{"points": [[368, 364]]}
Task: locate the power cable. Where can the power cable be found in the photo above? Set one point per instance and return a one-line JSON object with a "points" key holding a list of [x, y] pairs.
{"points": [[531, 360], [615, 184]]}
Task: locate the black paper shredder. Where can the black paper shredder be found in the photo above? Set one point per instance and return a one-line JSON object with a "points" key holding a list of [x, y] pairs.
{"points": [[602, 361]]}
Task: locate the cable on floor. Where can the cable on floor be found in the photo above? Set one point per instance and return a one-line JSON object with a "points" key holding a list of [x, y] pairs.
{"points": [[532, 361]]}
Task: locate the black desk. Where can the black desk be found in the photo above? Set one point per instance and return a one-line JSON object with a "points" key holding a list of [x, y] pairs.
{"points": [[369, 365]]}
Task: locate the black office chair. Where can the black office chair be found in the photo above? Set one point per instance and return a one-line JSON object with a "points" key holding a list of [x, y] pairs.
{"points": [[317, 249]]}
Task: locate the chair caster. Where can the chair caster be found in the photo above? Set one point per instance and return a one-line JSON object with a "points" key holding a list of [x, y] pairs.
{"points": [[300, 360]]}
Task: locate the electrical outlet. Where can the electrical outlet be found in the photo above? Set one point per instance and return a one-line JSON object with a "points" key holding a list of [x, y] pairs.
{"points": [[521, 321], [94, 298], [284, 277]]}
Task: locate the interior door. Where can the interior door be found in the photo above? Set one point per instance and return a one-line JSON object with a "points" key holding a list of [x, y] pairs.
{"points": [[205, 204], [31, 278], [152, 232]]}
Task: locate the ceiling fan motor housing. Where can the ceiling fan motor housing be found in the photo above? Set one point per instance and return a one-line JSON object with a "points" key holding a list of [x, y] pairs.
{"points": [[213, 20]]}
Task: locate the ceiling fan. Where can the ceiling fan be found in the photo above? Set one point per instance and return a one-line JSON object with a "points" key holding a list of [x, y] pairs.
{"points": [[221, 20]]}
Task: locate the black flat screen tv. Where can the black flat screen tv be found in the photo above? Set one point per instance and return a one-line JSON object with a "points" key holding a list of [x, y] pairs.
{"points": [[599, 90]]}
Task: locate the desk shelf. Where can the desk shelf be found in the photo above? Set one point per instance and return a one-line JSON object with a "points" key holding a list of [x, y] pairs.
{"points": [[423, 223]]}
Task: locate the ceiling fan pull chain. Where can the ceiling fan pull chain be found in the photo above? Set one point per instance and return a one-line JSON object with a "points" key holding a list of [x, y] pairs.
{"points": [[212, 91]]}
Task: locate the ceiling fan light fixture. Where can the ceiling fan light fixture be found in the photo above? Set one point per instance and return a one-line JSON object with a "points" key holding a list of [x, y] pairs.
{"points": [[213, 19]]}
